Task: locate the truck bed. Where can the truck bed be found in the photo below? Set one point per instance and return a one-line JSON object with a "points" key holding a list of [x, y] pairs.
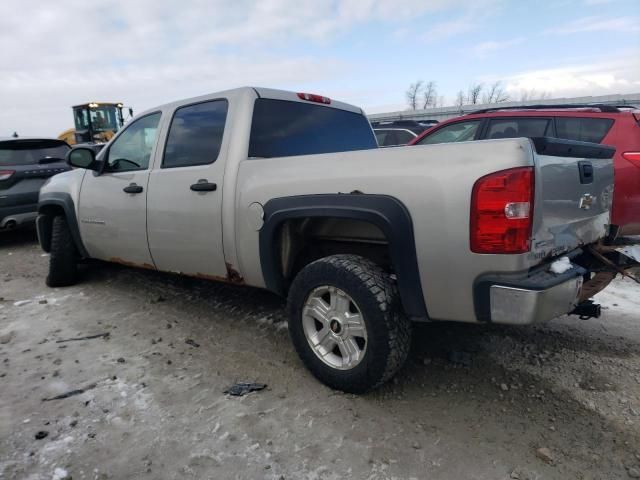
{"points": [[435, 183]]}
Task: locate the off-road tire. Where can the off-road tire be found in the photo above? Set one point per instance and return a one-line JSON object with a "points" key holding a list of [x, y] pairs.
{"points": [[375, 293], [63, 258]]}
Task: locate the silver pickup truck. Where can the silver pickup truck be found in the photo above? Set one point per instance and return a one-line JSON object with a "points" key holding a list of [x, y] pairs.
{"points": [[289, 192]]}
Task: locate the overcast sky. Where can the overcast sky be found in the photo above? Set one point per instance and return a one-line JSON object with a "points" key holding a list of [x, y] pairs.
{"points": [[366, 52]]}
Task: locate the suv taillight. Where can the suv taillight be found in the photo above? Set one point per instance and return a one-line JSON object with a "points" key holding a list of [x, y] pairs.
{"points": [[633, 157], [6, 174], [502, 212]]}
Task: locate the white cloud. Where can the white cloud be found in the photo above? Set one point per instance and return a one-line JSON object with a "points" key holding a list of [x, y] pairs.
{"points": [[146, 52], [598, 24], [473, 18], [484, 49], [617, 75]]}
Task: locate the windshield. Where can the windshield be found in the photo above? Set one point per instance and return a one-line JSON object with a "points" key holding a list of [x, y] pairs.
{"points": [[30, 152], [103, 118]]}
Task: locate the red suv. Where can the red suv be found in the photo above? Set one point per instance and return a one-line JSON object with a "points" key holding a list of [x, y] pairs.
{"points": [[618, 126]]}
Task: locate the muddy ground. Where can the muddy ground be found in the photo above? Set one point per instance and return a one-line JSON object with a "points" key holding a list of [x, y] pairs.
{"points": [[559, 401]]}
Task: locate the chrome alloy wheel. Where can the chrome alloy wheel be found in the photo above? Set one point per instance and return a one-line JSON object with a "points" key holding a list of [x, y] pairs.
{"points": [[334, 327]]}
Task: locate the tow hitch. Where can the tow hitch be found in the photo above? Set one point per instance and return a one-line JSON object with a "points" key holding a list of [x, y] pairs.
{"points": [[587, 309]]}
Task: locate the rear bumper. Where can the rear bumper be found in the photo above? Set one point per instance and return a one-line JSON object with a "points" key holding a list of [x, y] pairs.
{"points": [[19, 203], [17, 215], [527, 297]]}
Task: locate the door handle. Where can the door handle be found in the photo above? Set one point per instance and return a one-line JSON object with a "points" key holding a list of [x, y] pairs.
{"points": [[586, 172], [204, 185], [133, 188]]}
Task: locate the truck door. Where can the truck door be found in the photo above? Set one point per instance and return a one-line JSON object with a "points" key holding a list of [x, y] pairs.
{"points": [[184, 215], [112, 206]]}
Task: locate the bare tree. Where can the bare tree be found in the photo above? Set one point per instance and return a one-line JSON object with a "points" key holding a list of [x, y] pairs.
{"points": [[495, 93], [429, 95], [413, 93], [525, 94], [533, 94], [473, 94], [460, 99]]}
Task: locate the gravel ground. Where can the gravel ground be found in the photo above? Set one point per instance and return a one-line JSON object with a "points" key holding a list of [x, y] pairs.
{"points": [[557, 401]]}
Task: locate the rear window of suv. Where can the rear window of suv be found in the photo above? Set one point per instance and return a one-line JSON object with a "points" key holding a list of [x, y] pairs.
{"points": [[583, 129], [281, 128], [31, 152]]}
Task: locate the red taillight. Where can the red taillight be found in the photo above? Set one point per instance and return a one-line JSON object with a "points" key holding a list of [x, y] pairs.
{"points": [[6, 174], [502, 212], [633, 157], [312, 97]]}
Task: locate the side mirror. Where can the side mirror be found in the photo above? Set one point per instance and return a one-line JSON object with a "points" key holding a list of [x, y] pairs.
{"points": [[82, 157]]}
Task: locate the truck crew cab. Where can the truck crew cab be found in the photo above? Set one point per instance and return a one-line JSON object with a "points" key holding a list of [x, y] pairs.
{"points": [[289, 192]]}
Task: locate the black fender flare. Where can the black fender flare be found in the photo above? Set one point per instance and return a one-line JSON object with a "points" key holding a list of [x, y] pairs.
{"points": [[43, 222], [388, 213]]}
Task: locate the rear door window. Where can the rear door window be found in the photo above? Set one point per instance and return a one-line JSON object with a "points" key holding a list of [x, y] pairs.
{"points": [[393, 137], [518, 127], [282, 128], [382, 135], [454, 132], [583, 129], [403, 137], [195, 135]]}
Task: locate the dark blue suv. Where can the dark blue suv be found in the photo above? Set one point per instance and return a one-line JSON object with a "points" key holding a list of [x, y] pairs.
{"points": [[25, 164]]}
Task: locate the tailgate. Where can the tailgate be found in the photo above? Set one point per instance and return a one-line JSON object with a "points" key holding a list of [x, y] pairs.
{"points": [[573, 194]]}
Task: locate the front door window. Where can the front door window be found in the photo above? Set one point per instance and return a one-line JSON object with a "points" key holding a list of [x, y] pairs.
{"points": [[132, 149]]}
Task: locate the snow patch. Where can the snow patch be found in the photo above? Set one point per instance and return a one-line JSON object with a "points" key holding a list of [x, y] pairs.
{"points": [[632, 251], [621, 296], [60, 474], [560, 266]]}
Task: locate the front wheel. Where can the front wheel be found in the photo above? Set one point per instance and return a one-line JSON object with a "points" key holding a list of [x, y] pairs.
{"points": [[346, 324], [63, 259]]}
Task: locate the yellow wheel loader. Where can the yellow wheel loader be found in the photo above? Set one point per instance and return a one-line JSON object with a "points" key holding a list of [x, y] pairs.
{"points": [[95, 122]]}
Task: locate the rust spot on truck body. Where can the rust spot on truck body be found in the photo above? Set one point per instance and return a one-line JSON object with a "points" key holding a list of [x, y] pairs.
{"points": [[204, 276], [232, 275], [127, 263]]}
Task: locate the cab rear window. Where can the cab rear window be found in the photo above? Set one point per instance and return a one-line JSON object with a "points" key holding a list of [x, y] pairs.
{"points": [[282, 128], [583, 129]]}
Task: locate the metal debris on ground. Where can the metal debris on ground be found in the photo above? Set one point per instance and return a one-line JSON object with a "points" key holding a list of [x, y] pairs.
{"points": [[242, 388], [70, 393], [192, 343], [88, 337]]}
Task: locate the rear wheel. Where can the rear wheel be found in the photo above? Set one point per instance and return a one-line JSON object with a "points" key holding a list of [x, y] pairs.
{"points": [[63, 259], [346, 324]]}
